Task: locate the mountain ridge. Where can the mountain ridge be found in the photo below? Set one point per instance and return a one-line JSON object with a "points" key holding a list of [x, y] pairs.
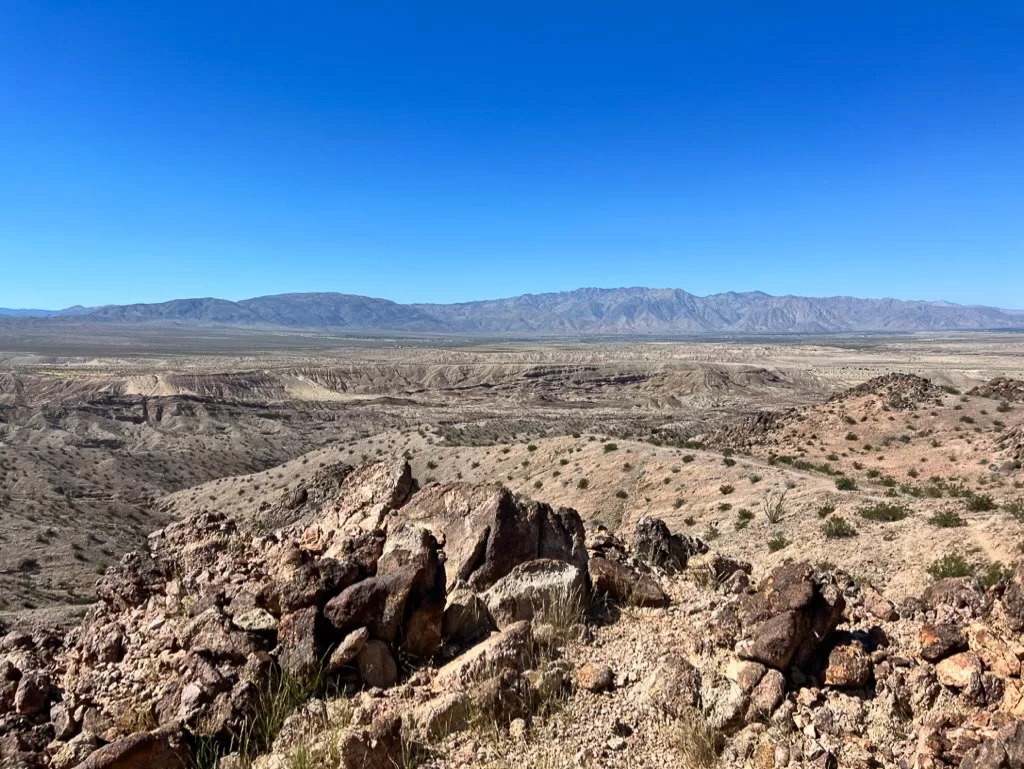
{"points": [[630, 310]]}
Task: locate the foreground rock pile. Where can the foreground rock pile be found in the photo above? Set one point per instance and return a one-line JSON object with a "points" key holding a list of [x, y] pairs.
{"points": [[385, 631], [895, 391], [1001, 388]]}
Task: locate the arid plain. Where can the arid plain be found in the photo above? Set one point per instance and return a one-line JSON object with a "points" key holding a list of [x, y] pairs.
{"points": [[107, 433]]}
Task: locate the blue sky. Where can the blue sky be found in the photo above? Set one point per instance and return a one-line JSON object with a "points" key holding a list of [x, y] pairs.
{"points": [[461, 150]]}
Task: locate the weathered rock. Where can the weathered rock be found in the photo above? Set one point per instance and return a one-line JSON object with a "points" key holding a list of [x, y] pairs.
{"points": [[962, 593], [487, 531], [596, 677], [32, 694], [74, 751], [368, 493], [376, 746], [508, 650], [466, 618], [878, 605], [993, 651], [655, 544], [255, 620], [414, 577], [849, 666], [941, 640], [745, 674], [767, 695], [357, 605], [376, 665], [960, 670], [534, 586], [348, 649], [298, 649], [623, 585], [160, 749], [673, 687], [130, 582], [788, 617]]}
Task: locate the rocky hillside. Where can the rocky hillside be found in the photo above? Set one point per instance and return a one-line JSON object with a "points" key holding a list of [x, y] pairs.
{"points": [[460, 625], [584, 311]]}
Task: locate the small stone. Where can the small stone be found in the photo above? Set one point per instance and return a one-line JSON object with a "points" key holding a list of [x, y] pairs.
{"points": [[596, 677], [960, 670], [348, 649], [616, 743]]}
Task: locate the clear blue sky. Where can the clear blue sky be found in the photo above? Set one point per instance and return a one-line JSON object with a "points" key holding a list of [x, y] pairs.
{"points": [[444, 151]]}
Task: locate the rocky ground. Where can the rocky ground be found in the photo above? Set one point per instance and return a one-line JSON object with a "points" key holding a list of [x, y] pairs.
{"points": [[458, 625]]}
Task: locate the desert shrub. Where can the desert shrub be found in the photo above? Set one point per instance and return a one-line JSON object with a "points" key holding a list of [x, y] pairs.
{"points": [[431, 465], [538, 484], [726, 489], [744, 514], [1003, 407], [728, 461], [1015, 508], [851, 436], [687, 458], [774, 507], [846, 484], [677, 503], [583, 484], [776, 543], [884, 512], [837, 527], [754, 478], [947, 520], [874, 472], [979, 503], [711, 533], [689, 520], [824, 511], [531, 447], [621, 494], [994, 573], [610, 447], [950, 565]]}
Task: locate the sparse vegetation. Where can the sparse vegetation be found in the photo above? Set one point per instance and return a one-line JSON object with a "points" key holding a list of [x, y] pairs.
{"points": [[837, 527]]}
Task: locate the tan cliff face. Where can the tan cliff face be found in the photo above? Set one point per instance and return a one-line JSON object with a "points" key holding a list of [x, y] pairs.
{"points": [[459, 623]]}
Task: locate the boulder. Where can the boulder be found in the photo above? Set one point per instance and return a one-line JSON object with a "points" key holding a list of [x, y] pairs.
{"points": [[509, 649], [298, 648], [849, 666], [159, 749], [941, 640], [347, 650], [673, 687], [788, 617], [595, 677], [487, 531], [466, 618], [767, 695], [535, 586], [659, 547], [376, 665], [961, 671], [624, 585]]}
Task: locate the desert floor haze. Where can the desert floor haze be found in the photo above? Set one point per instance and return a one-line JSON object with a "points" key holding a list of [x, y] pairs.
{"points": [[551, 554]]}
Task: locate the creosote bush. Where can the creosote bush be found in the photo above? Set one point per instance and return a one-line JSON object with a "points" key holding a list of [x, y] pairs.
{"points": [[837, 527]]}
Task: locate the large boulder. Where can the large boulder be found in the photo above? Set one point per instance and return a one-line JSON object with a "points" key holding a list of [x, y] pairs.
{"points": [[159, 749], [788, 617], [368, 493], [624, 585], [659, 547], [535, 586], [486, 531]]}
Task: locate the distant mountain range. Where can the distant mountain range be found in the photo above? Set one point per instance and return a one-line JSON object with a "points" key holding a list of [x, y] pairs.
{"points": [[650, 311]]}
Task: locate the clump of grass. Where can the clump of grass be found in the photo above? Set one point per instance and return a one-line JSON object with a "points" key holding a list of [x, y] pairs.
{"points": [[837, 527], [776, 543], [696, 741], [711, 533], [884, 512], [726, 489], [947, 519], [824, 511], [1015, 508], [845, 483]]}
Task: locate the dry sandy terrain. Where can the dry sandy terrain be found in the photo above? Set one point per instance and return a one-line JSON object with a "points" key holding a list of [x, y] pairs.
{"points": [[103, 438]]}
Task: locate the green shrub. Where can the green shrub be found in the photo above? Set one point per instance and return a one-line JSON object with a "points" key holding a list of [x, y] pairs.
{"points": [[711, 533], [583, 483], [947, 520], [826, 510], [851, 436], [950, 565], [687, 458], [776, 543], [884, 512], [621, 494], [837, 527], [754, 478], [979, 503], [726, 489], [846, 484], [531, 447], [609, 447]]}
